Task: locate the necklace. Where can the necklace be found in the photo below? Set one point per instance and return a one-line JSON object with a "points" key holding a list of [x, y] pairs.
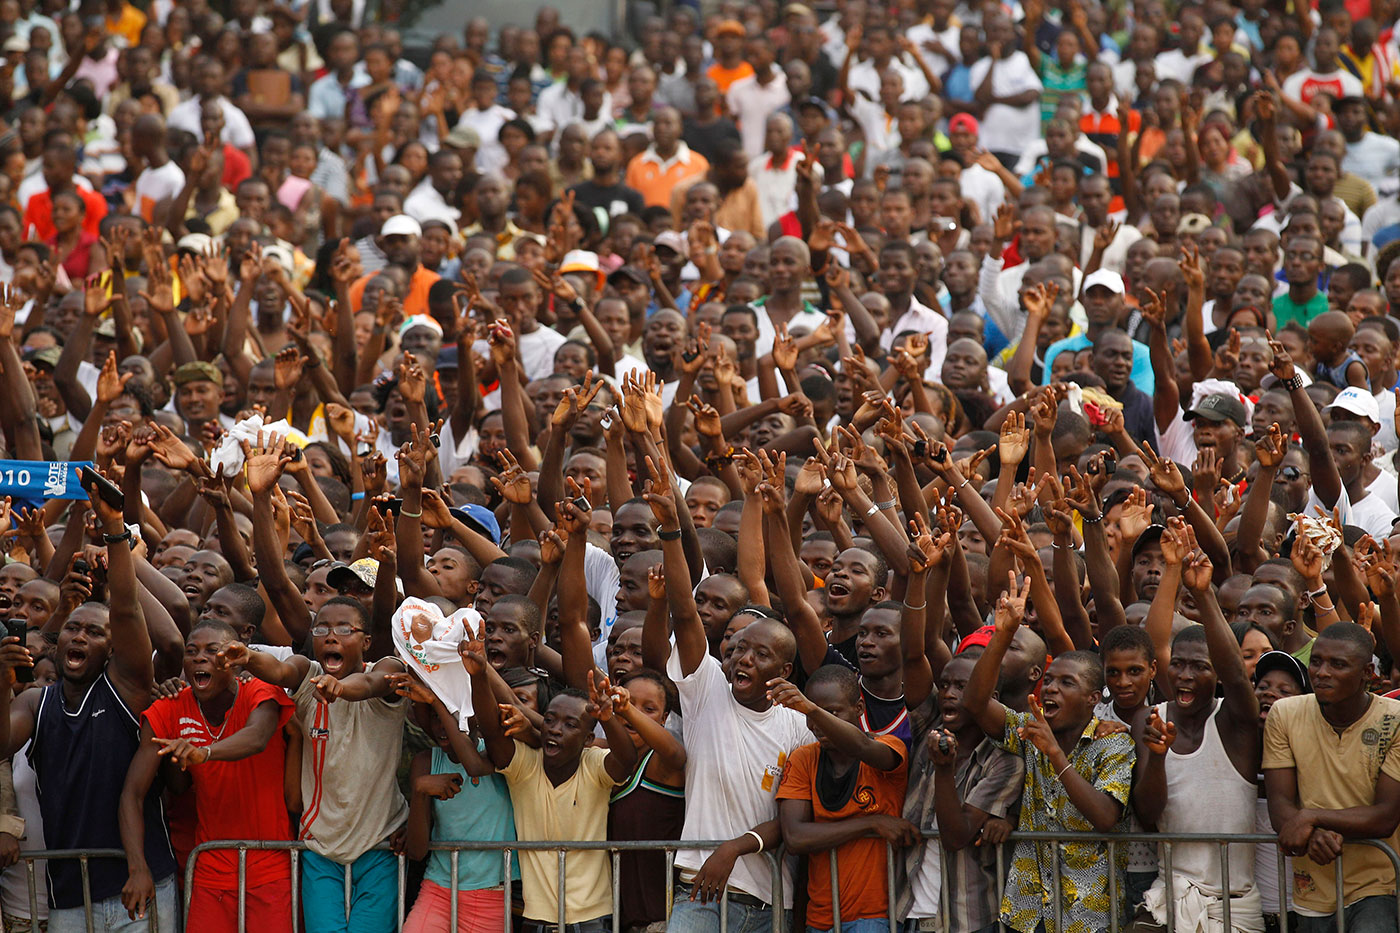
{"points": [[216, 736]]}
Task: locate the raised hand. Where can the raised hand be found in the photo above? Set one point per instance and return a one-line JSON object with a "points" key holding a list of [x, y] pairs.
{"points": [[1015, 440], [264, 462], [1159, 735]]}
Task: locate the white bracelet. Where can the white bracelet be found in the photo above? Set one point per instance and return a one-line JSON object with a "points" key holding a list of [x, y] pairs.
{"points": [[757, 837]]}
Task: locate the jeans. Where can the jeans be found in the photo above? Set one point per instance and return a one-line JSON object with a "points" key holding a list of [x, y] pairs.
{"points": [[109, 916], [689, 916], [872, 925], [374, 893], [1368, 915]]}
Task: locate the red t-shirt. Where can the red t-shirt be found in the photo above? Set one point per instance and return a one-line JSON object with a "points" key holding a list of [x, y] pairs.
{"points": [[38, 214], [237, 168], [235, 799]]}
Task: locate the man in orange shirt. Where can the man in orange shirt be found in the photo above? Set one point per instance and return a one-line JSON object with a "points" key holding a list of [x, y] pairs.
{"points": [[59, 166], [667, 162], [729, 64], [399, 240]]}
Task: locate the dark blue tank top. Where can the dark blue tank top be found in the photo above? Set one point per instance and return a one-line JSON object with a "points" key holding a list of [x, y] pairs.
{"points": [[81, 758]]}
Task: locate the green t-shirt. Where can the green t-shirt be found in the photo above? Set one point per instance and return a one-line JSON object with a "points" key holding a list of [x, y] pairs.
{"points": [[1287, 310]]}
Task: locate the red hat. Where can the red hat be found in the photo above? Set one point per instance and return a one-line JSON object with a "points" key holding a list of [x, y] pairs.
{"points": [[962, 122], [978, 639]]}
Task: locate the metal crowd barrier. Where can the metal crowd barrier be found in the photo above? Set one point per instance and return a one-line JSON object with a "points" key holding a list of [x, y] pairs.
{"points": [[775, 861], [83, 857], [562, 848]]}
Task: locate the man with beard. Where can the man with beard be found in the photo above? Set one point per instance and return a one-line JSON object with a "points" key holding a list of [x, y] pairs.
{"points": [[85, 735]]}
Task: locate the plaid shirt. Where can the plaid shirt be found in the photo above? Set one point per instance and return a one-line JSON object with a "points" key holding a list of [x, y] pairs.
{"points": [[989, 779]]}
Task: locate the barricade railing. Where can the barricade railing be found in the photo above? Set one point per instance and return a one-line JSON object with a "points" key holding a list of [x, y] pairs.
{"points": [[507, 849], [83, 857], [774, 859]]}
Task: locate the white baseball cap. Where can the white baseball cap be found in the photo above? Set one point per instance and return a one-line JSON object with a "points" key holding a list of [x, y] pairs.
{"points": [[1107, 278], [401, 225], [1359, 402]]}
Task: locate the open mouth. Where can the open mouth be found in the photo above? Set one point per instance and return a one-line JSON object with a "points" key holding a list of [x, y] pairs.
{"points": [[201, 678], [75, 658], [1185, 696], [742, 679], [332, 661], [837, 590], [1050, 707], [190, 590]]}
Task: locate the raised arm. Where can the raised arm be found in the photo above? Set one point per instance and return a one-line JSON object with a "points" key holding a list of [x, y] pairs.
{"points": [[130, 670], [979, 697], [1327, 482], [264, 466]]}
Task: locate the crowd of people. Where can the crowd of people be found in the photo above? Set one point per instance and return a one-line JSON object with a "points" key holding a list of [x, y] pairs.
{"points": [[883, 430]]}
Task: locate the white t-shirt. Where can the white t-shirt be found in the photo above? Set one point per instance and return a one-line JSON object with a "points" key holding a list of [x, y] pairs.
{"points": [[238, 132], [735, 763], [537, 350], [1306, 84], [1008, 129], [1370, 514], [752, 104], [1384, 487], [155, 185]]}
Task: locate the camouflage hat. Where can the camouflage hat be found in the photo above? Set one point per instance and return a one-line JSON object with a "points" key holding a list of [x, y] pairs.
{"points": [[197, 371]]}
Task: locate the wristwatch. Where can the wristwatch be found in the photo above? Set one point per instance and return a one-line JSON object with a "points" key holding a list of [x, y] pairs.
{"points": [[1293, 382]]}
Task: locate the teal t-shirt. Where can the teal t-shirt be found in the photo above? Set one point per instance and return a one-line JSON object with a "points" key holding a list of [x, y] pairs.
{"points": [[480, 813], [1287, 310]]}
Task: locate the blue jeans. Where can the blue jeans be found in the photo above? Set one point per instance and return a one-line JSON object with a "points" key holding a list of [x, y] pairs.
{"points": [[109, 916], [1368, 915], [689, 916], [872, 925], [374, 893]]}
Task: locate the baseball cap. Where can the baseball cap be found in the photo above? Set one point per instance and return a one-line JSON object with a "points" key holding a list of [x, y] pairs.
{"points": [[1150, 535], [401, 225], [364, 571], [978, 639], [962, 122], [281, 254], [463, 137], [582, 260], [1220, 407], [1359, 402], [45, 355], [1106, 278], [419, 320], [628, 273], [106, 328], [670, 239], [195, 372], [1282, 661], [818, 103], [1193, 224], [447, 358], [198, 243], [16, 44], [479, 519], [730, 27]]}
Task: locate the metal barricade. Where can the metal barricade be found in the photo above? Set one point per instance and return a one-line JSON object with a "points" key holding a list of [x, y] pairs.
{"points": [[1112, 841], [507, 849], [83, 857]]}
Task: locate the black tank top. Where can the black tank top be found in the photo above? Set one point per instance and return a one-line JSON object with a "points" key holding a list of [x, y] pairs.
{"points": [[81, 758], [643, 809]]}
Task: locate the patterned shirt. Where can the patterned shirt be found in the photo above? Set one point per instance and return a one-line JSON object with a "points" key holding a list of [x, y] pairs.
{"points": [[1107, 763]]}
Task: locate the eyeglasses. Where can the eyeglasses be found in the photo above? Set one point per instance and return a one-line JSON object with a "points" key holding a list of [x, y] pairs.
{"points": [[344, 631], [1290, 473]]}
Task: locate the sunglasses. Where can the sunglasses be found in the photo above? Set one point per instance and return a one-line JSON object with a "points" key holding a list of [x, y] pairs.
{"points": [[1290, 473]]}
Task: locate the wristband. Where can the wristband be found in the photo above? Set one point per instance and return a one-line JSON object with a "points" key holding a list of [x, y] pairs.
{"points": [[356, 496], [874, 507], [407, 514], [113, 539], [919, 606], [1061, 775], [888, 504], [669, 535], [1294, 382], [313, 361], [1090, 521], [208, 753], [757, 838]]}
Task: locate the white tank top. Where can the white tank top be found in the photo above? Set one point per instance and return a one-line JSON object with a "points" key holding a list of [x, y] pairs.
{"points": [[1208, 776]]}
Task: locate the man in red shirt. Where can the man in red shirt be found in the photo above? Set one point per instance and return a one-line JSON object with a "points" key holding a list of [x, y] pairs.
{"points": [[59, 166], [223, 737]]}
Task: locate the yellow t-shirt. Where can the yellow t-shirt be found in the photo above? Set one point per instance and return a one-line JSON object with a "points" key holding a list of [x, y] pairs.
{"points": [[576, 809], [1338, 771]]}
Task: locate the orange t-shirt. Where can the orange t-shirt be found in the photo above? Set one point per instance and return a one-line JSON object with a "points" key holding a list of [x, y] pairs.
{"points": [[38, 213], [860, 862], [726, 76], [415, 302]]}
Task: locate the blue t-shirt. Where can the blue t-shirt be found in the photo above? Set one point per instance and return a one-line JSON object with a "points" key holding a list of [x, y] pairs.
{"points": [[1142, 361], [482, 812]]}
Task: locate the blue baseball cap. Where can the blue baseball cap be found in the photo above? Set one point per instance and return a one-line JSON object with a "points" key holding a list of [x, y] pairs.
{"points": [[479, 519]]}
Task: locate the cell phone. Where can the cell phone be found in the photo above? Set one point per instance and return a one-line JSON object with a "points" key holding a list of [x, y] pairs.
{"points": [[943, 744], [80, 566], [17, 629], [582, 504], [107, 490], [435, 439], [940, 455], [690, 355], [605, 422], [394, 506], [363, 449], [921, 449], [296, 454]]}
